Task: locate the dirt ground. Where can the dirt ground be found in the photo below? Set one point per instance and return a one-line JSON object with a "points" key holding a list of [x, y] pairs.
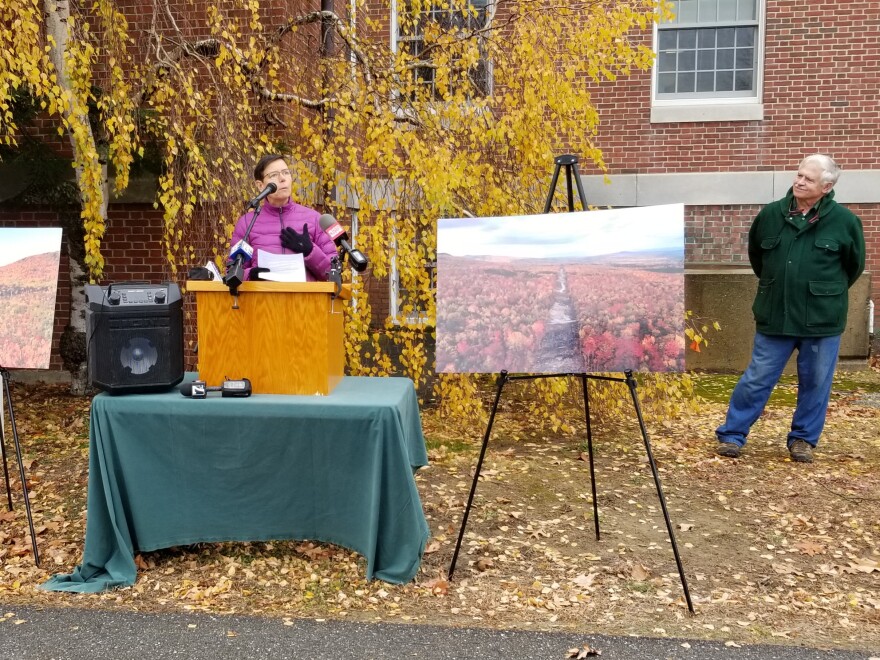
{"points": [[773, 551]]}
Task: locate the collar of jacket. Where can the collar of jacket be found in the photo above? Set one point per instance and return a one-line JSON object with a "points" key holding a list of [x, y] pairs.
{"points": [[825, 203], [288, 206]]}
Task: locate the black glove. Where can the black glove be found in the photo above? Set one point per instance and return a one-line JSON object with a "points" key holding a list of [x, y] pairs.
{"points": [[255, 273], [299, 243]]}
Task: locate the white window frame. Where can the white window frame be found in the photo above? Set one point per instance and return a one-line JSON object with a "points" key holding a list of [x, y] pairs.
{"points": [[418, 317], [716, 107]]}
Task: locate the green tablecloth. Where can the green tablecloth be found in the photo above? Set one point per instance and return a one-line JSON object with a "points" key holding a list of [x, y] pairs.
{"points": [[166, 470]]}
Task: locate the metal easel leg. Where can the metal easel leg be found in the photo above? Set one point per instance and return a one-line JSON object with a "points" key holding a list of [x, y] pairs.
{"points": [[590, 453], [631, 383], [502, 379], [27, 502]]}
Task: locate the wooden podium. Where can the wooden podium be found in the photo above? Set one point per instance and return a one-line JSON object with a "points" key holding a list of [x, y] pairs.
{"points": [[286, 338]]}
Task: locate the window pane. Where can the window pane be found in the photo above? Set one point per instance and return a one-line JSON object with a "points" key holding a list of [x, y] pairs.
{"points": [[725, 58], [708, 11], [667, 40], [687, 11], [726, 37], [687, 60], [724, 81], [706, 38], [705, 60], [744, 58], [743, 81], [727, 10], [745, 36], [666, 83], [747, 10], [666, 62], [686, 82], [706, 81], [687, 38]]}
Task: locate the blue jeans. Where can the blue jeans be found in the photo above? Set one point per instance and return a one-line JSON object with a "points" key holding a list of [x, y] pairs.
{"points": [[816, 359]]}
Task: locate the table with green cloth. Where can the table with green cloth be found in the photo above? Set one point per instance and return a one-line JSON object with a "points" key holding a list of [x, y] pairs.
{"points": [[167, 470]]}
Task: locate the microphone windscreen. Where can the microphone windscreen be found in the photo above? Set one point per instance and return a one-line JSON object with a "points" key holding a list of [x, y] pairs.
{"points": [[186, 389], [271, 187], [326, 221]]}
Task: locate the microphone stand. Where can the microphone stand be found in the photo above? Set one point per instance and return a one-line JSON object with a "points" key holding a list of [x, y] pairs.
{"points": [[235, 269], [335, 274]]}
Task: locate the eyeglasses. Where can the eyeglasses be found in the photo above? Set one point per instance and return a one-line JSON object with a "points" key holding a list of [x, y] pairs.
{"points": [[273, 176]]}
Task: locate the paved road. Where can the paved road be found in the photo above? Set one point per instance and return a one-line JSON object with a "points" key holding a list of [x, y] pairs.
{"points": [[70, 634]]}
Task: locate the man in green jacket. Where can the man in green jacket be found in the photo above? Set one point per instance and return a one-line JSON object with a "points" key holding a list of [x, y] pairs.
{"points": [[807, 250]]}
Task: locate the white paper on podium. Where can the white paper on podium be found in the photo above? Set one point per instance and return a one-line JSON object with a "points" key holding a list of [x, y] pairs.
{"points": [[282, 267]]}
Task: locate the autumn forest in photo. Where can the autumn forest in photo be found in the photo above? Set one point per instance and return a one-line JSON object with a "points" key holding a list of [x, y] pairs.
{"points": [[596, 314], [27, 310]]}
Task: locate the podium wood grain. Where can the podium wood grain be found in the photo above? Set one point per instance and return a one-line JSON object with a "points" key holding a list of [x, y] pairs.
{"points": [[285, 337]]}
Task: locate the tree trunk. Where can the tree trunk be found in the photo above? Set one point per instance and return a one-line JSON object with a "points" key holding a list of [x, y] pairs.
{"points": [[57, 13]]}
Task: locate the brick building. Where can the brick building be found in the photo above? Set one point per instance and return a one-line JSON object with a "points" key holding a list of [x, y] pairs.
{"points": [[740, 91]]}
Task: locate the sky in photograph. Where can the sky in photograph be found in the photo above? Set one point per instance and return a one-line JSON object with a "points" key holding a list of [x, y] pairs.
{"points": [[16, 244], [564, 235]]}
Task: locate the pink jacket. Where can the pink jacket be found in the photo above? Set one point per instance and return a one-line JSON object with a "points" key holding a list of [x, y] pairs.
{"points": [[266, 235]]}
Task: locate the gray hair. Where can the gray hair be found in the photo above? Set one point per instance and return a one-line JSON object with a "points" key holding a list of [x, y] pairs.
{"points": [[830, 169]]}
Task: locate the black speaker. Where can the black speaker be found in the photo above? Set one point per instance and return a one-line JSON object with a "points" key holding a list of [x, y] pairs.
{"points": [[135, 336]]}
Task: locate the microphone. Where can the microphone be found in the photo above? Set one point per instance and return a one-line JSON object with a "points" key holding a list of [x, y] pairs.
{"points": [[238, 254], [268, 190], [243, 249], [334, 230]]}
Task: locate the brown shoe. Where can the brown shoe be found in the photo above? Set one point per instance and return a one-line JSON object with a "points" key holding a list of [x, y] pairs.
{"points": [[801, 451], [728, 449]]}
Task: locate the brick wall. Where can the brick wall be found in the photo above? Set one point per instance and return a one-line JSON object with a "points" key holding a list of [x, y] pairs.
{"points": [[821, 74]]}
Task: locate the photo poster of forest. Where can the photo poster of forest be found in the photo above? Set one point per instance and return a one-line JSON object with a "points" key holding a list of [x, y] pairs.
{"points": [[28, 285], [584, 292]]}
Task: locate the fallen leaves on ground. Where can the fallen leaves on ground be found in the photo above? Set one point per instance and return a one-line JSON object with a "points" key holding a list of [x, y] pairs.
{"points": [[585, 651], [772, 551]]}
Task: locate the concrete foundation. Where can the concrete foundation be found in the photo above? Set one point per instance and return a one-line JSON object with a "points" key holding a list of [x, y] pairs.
{"points": [[725, 294]]}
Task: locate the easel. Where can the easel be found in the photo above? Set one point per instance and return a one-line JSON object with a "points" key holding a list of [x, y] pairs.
{"points": [[27, 503], [570, 163]]}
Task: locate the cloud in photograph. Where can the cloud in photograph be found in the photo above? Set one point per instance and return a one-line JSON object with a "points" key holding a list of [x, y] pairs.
{"points": [[565, 235], [17, 244]]}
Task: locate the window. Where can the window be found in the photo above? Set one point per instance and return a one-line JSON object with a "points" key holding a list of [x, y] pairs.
{"points": [[460, 16], [710, 51], [407, 308]]}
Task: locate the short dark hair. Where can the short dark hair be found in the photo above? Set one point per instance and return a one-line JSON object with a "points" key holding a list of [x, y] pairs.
{"points": [[264, 162]]}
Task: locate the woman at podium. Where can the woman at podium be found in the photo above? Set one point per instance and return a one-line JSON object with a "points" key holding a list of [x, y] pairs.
{"points": [[283, 226]]}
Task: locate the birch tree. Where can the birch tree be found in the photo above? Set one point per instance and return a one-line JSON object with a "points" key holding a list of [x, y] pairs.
{"points": [[407, 110]]}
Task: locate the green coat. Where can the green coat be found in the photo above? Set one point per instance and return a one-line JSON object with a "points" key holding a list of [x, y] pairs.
{"points": [[805, 273]]}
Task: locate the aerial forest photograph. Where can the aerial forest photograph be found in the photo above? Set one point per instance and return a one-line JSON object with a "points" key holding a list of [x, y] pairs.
{"points": [[28, 283], [595, 291]]}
